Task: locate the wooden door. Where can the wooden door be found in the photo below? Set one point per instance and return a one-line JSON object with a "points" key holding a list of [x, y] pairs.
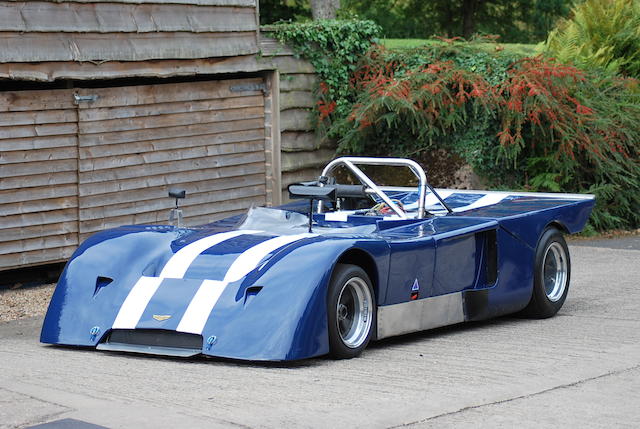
{"points": [[136, 142], [77, 161], [38, 177]]}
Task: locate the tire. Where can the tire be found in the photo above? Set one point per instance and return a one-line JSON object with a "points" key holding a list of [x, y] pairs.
{"points": [[551, 276], [351, 311]]}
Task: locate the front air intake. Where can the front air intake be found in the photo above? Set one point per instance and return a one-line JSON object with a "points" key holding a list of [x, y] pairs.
{"points": [[153, 341]]}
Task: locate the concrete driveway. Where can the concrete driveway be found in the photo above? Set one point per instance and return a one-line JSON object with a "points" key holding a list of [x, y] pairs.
{"points": [[580, 368]]}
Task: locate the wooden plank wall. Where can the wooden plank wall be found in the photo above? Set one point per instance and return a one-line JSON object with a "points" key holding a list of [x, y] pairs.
{"points": [[38, 177], [138, 142], [303, 155], [67, 170], [126, 30]]}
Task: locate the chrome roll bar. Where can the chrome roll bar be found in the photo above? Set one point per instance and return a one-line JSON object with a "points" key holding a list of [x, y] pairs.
{"points": [[351, 161]]}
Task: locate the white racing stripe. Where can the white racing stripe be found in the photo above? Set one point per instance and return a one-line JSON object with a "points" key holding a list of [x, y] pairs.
{"points": [[181, 261], [337, 216], [141, 293], [136, 302], [201, 305], [487, 200], [431, 199], [249, 259]]}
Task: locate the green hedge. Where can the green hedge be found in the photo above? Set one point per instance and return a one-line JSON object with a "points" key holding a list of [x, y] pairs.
{"points": [[521, 123]]}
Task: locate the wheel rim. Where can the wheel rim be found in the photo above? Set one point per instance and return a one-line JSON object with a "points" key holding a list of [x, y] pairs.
{"points": [[354, 312], [554, 271]]}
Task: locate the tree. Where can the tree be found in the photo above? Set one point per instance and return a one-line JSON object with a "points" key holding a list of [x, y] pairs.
{"points": [[272, 11], [324, 9], [469, 11], [524, 21]]}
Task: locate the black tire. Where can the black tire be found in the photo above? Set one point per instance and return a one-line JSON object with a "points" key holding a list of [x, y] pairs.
{"points": [[351, 311], [552, 273]]}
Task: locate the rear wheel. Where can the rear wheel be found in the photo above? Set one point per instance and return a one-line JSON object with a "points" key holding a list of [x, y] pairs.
{"points": [[551, 276], [351, 311]]}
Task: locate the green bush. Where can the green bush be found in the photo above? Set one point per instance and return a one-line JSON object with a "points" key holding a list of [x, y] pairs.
{"points": [[532, 124], [565, 131], [334, 47], [601, 34], [523, 123]]}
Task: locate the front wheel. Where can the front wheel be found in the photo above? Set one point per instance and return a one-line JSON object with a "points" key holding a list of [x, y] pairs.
{"points": [[551, 276], [351, 311]]}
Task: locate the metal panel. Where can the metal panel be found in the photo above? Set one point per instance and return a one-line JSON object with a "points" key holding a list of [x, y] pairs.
{"points": [[414, 316], [456, 264]]}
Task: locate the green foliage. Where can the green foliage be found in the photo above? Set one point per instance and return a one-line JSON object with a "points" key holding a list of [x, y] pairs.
{"points": [[602, 34], [514, 49], [613, 172], [334, 47], [283, 10], [528, 123], [409, 100], [524, 21], [532, 123], [574, 132]]}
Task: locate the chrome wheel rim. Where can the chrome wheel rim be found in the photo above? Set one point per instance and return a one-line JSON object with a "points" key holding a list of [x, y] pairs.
{"points": [[554, 271], [354, 312]]}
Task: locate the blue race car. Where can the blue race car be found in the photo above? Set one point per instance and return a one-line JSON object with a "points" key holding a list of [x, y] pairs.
{"points": [[345, 265]]}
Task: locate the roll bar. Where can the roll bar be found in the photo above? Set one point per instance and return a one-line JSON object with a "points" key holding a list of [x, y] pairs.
{"points": [[351, 163]]}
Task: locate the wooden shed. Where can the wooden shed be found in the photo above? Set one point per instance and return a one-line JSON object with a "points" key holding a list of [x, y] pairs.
{"points": [[105, 105]]}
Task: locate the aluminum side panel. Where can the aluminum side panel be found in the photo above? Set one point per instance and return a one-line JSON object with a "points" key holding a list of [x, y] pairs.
{"points": [[419, 315]]}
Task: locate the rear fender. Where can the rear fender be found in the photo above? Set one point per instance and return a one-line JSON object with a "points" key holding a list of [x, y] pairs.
{"points": [[529, 227]]}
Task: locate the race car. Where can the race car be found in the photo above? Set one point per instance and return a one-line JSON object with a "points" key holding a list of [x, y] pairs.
{"points": [[342, 265]]}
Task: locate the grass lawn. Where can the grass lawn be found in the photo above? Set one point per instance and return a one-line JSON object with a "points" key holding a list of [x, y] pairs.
{"points": [[512, 48]]}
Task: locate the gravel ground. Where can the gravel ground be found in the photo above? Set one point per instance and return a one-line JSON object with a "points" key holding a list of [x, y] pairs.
{"points": [[20, 303]]}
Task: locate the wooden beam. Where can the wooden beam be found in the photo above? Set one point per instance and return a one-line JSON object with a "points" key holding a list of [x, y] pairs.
{"points": [[141, 147], [134, 111], [38, 47], [304, 160], [296, 120], [181, 179], [166, 93], [110, 17]]}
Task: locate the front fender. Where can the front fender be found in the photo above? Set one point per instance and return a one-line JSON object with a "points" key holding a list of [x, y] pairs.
{"points": [[80, 303], [287, 318]]}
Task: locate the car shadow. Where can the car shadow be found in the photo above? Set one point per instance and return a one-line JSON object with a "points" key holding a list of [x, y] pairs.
{"points": [[400, 340], [442, 332]]}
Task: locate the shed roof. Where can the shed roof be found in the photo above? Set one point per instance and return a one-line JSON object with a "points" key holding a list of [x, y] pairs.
{"points": [[126, 30]]}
